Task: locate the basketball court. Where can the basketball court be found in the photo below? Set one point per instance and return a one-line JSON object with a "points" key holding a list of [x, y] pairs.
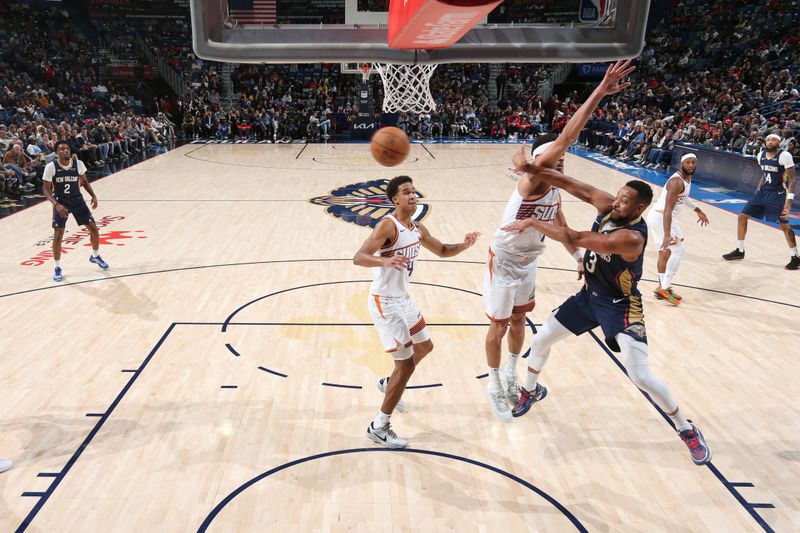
{"points": [[220, 375]]}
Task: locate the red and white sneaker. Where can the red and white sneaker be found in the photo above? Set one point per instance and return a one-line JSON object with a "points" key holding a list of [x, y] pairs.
{"points": [[698, 449]]}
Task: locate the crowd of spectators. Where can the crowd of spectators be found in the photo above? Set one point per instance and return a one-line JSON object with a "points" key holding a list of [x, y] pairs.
{"points": [[720, 74], [52, 88]]}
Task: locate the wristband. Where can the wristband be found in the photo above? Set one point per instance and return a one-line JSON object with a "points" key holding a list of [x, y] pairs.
{"points": [[578, 255], [790, 195]]}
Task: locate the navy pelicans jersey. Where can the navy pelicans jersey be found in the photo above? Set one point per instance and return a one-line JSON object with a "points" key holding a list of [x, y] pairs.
{"points": [[530, 243], [66, 181], [390, 282], [609, 274], [774, 169]]}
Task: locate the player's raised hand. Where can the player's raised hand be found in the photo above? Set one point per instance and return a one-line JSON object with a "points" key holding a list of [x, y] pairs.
{"points": [[471, 238], [398, 262], [520, 159], [616, 72]]}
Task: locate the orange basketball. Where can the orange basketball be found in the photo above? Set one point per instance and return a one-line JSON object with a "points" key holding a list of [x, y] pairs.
{"points": [[390, 146]]}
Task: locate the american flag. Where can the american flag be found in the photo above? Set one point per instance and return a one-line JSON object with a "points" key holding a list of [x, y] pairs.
{"points": [[253, 11]]}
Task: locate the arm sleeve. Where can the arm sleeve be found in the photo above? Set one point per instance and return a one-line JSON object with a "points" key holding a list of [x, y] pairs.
{"points": [[49, 172], [786, 159], [690, 203]]}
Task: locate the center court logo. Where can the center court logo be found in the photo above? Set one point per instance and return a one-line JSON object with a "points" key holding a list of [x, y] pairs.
{"points": [[363, 203]]}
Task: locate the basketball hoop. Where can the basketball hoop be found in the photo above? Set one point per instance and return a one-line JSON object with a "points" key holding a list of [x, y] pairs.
{"points": [[406, 87]]}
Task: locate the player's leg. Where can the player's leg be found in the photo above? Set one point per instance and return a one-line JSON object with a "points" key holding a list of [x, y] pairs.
{"points": [[59, 223], [791, 240], [655, 224], [498, 302], [524, 302], [634, 355], [755, 207], [552, 331], [388, 317], [380, 429], [776, 211], [94, 236]]}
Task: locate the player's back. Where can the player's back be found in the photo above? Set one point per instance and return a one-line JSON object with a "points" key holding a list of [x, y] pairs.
{"points": [[609, 274]]}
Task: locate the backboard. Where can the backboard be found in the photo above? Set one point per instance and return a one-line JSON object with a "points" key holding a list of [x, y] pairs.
{"points": [[314, 31]]}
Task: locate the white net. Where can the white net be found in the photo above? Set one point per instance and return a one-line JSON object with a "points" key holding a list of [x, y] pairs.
{"points": [[406, 87]]}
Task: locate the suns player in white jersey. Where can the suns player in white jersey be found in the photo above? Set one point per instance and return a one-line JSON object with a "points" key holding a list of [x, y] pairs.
{"points": [[509, 281], [391, 251], [663, 222]]}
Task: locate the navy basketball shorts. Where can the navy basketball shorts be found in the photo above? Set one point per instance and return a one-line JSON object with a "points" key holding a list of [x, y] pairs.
{"points": [[77, 208], [766, 205], [587, 310]]}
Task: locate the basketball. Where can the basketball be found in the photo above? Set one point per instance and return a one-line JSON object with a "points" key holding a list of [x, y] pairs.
{"points": [[390, 146]]}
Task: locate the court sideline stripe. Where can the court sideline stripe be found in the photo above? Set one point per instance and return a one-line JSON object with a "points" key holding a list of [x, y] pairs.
{"points": [[429, 152], [280, 261], [301, 151], [749, 507]]}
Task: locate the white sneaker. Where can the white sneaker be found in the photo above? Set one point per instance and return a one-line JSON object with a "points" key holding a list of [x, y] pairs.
{"points": [[499, 404], [5, 464], [385, 436], [512, 389], [401, 405]]}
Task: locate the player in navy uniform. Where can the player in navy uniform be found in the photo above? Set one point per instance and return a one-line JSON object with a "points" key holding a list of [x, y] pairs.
{"points": [[62, 180], [772, 200], [613, 266]]}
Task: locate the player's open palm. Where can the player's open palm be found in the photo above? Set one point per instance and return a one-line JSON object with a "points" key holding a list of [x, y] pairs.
{"points": [[615, 73]]}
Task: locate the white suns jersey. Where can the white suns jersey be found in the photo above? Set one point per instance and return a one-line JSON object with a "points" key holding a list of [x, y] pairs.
{"points": [[390, 282], [661, 204], [530, 243]]}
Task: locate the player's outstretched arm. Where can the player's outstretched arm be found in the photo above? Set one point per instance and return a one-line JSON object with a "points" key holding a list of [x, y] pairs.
{"points": [[611, 84], [383, 232], [583, 191], [628, 244], [574, 251], [446, 250]]}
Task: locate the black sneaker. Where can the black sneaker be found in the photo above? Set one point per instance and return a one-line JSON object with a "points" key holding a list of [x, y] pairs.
{"points": [[735, 255], [794, 263], [527, 399], [700, 452]]}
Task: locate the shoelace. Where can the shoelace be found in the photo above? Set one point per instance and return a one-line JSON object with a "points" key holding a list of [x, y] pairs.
{"points": [[390, 432], [691, 440]]}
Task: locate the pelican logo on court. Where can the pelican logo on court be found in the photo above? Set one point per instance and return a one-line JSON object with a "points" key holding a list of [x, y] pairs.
{"points": [[363, 203]]}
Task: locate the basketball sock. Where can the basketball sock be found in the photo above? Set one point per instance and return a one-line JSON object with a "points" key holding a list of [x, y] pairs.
{"points": [[531, 379], [95, 253], [494, 379], [681, 424], [511, 364], [57, 262], [794, 251], [674, 261], [661, 276], [381, 419], [741, 246]]}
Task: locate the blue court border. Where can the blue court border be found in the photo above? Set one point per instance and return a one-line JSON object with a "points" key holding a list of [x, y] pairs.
{"points": [[43, 497]]}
